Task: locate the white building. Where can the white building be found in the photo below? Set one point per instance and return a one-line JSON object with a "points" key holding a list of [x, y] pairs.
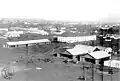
{"points": [[99, 54], [63, 28], [76, 39], [3, 29], [112, 63], [32, 29], [42, 32], [13, 33], [88, 53], [29, 42], [53, 29], [58, 33]]}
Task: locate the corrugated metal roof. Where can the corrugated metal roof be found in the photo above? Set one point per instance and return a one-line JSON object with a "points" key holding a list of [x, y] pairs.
{"points": [[27, 42]]}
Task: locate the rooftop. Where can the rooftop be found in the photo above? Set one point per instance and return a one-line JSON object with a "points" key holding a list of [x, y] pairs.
{"points": [[99, 54], [80, 49], [27, 42]]}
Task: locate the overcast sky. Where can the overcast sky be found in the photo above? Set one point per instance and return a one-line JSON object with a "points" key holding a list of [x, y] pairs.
{"points": [[75, 10]]}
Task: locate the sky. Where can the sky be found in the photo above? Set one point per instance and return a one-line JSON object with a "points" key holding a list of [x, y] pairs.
{"points": [[72, 10]]}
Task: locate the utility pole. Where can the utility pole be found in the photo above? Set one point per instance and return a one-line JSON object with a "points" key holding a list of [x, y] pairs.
{"points": [[26, 59], [27, 53], [102, 74], [83, 76], [111, 72], [92, 72]]}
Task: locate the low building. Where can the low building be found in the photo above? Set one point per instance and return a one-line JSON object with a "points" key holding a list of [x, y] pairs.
{"points": [[76, 39], [3, 29], [58, 32], [112, 63], [42, 32], [100, 56], [78, 50], [27, 42], [13, 34], [86, 54]]}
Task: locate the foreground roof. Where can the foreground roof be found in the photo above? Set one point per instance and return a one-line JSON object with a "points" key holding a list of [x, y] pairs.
{"points": [[99, 54]]}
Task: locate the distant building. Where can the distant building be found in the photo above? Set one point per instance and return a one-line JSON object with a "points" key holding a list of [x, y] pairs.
{"points": [[42, 32], [24, 43], [58, 32], [3, 29], [13, 34], [112, 41], [76, 39], [108, 30], [33, 29], [53, 29], [109, 37]]}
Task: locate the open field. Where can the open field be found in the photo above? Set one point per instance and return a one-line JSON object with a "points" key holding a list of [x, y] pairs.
{"points": [[55, 71]]}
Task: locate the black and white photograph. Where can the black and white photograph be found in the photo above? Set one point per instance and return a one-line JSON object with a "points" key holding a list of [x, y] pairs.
{"points": [[59, 40]]}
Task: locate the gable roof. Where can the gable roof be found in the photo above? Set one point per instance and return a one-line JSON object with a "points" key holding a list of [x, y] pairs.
{"points": [[99, 54], [80, 49]]}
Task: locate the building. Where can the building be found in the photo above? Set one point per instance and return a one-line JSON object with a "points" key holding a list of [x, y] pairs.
{"points": [[75, 51], [78, 50], [100, 56], [86, 54], [13, 34], [58, 32], [3, 29], [112, 41], [108, 30], [42, 32], [27, 42], [105, 34], [112, 63], [76, 39]]}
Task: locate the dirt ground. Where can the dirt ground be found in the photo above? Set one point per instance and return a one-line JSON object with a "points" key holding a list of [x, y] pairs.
{"points": [[56, 71]]}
